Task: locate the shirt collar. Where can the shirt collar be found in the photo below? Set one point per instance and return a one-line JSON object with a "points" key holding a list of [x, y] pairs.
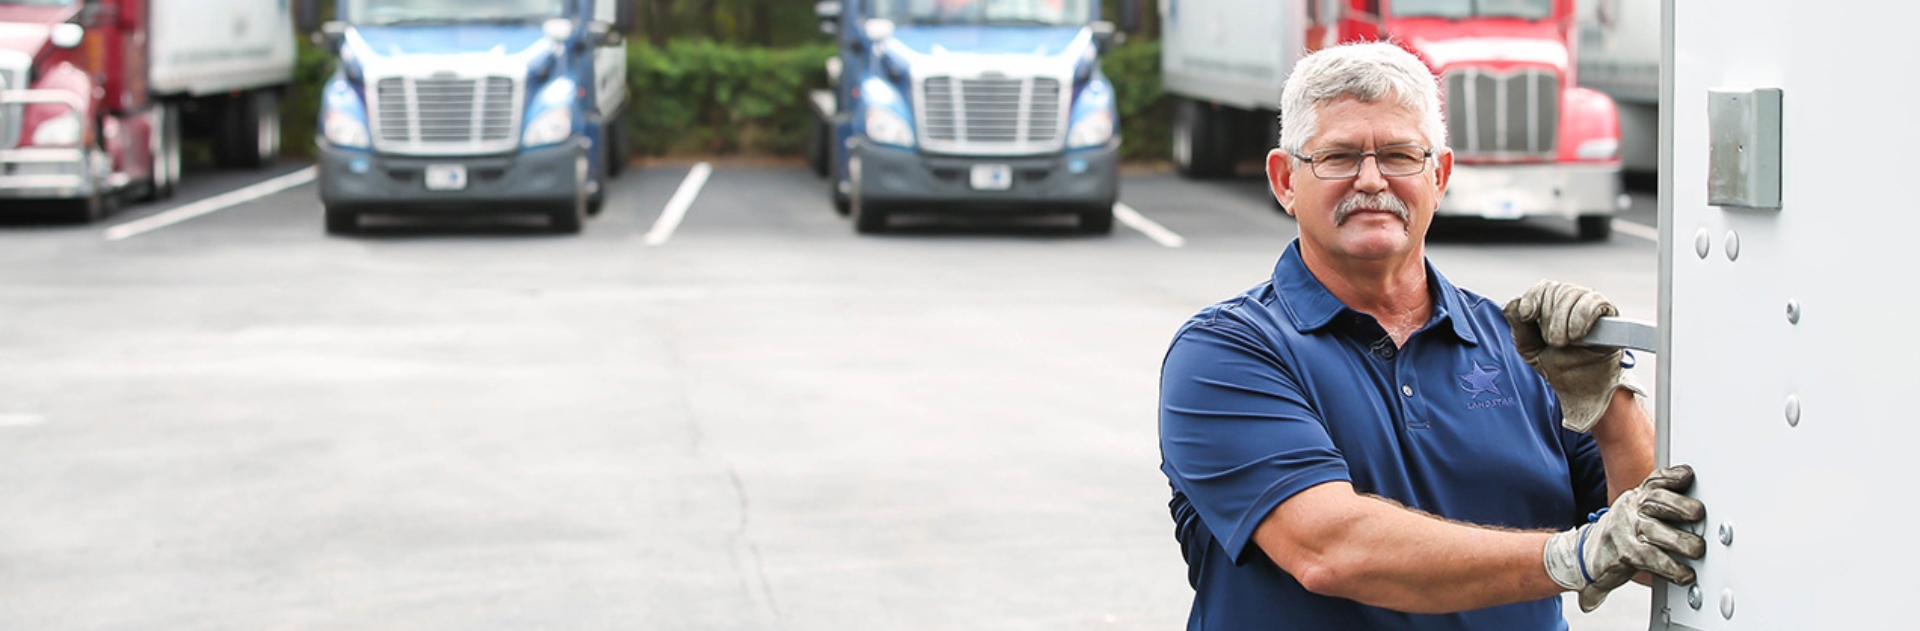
{"points": [[1311, 306]]}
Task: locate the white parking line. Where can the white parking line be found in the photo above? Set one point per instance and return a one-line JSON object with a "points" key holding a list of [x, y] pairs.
{"points": [[210, 205], [1160, 234], [21, 420], [677, 205], [1630, 228]]}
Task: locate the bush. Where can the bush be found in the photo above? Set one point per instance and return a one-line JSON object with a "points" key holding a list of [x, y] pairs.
{"points": [[706, 98], [703, 98], [1134, 69]]}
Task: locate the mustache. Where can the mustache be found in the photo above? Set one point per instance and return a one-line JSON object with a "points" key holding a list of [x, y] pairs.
{"points": [[1378, 201]]}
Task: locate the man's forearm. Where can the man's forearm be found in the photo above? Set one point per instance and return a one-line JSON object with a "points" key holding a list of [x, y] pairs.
{"points": [[1338, 543], [1625, 435]]}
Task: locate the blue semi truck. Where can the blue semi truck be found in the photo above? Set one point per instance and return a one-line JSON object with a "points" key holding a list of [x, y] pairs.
{"points": [[968, 106], [462, 106]]}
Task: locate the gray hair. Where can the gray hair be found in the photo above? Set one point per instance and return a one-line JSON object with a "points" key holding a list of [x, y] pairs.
{"points": [[1369, 72]]}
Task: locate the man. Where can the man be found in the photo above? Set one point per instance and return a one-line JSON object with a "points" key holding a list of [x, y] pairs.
{"points": [[1358, 444]]}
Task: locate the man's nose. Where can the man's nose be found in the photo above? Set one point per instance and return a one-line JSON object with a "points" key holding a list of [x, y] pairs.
{"points": [[1369, 180]]}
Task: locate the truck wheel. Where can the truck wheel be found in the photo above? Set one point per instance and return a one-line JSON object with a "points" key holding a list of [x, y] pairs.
{"points": [[868, 218], [616, 155], [250, 131], [817, 147], [1097, 219], [165, 147], [842, 205], [1595, 227], [567, 218], [342, 221], [1201, 149]]}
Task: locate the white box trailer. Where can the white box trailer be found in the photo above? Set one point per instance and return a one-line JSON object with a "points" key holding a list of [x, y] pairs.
{"points": [[1785, 364], [203, 47], [1620, 57]]}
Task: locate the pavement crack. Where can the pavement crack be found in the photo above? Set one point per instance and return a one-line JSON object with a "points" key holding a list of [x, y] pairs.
{"points": [[759, 590]]}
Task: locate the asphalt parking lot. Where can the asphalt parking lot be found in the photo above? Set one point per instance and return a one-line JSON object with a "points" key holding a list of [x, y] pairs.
{"points": [[743, 417]]}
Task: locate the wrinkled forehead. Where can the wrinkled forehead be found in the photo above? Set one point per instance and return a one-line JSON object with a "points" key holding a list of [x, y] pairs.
{"points": [[1353, 121]]}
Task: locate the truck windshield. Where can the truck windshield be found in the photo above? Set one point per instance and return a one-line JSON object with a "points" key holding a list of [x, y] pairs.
{"points": [[389, 12], [1458, 9], [1036, 12]]}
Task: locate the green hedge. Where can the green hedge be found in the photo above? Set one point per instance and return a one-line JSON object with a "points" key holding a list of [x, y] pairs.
{"points": [[702, 98]]}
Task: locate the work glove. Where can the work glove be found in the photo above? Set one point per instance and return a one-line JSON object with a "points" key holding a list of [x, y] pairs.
{"points": [[1548, 322], [1640, 532]]}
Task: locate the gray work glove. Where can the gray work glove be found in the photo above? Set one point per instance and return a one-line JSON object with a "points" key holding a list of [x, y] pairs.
{"points": [[1640, 532], [1548, 321]]}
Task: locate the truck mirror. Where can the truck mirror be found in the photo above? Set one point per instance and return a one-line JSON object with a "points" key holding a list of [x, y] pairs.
{"points": [[330, 36], [828, 12], [1103, 36], [604, 34]]}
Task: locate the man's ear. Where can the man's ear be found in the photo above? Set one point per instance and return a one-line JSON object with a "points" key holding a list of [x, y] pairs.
{"points": [[1280, 178], [1442, 172]]}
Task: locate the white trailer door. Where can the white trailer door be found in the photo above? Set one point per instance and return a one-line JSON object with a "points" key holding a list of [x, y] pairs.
{"points": [[1790, 362]]}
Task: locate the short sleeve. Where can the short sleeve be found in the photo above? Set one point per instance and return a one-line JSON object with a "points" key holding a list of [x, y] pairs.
{"points": [[1237, 434]]}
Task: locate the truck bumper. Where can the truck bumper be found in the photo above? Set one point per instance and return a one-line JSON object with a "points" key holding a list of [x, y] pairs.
{"points": [[533, 180], [1512, 191], [50, 173], [910, 180]]}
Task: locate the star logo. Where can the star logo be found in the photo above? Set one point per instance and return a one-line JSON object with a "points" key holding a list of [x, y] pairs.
{"points": [[1481, 380]]}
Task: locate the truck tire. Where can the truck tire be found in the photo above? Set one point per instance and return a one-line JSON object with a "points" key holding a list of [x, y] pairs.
{"points": [[249, 135], [817, 158], [1097, 219], [1595, 227], [568, 217], [165, 147], [342, 221], [616, 154], [1201, 148]]}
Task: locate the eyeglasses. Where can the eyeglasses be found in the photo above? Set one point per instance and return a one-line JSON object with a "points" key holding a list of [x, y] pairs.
{"points": [[1392, 160]]}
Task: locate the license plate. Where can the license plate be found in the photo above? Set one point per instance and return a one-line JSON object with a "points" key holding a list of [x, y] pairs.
{"points": [[991, 177], [1505, 208], [446, 177]]}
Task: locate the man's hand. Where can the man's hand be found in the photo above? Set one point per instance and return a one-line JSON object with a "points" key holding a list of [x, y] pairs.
{"points": [[1640, 532], [1547, 321]]}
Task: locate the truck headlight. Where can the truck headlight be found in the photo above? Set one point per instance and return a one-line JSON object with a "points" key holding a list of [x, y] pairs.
{"points": [[1091, 130], [1598, 149], [887, 127], [59, 131], [345, 130], [551, 127]]}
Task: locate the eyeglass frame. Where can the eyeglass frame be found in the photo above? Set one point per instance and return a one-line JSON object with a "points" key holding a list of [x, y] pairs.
{"points": [[1360, 164]]}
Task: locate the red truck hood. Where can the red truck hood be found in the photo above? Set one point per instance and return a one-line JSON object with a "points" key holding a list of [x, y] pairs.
{"points": [[1485, 42], [25, 28]]}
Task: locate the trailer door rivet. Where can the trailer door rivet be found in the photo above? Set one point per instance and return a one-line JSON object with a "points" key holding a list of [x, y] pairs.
{"points": [[1695, 598], [1726, 603], [1733, 245], [1702, 243], [1793, 410], [1726, 533], [1793, 311]]}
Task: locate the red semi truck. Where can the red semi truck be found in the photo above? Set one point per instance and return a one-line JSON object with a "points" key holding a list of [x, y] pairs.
{"points": [[1527, 140], [96, 95]]}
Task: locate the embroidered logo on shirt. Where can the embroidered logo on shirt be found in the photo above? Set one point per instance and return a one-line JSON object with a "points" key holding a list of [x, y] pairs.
{"points": [[1484, 380]]}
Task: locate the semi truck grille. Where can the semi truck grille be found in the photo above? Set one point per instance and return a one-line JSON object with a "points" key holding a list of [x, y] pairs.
{"points": [[1503, 116], [11, 78], [445, 115], [991, 114]]}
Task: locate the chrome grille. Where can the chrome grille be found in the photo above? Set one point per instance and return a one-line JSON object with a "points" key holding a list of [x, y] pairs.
{"points": [[445, 113], [991, 114], [11, 78], [1506, 115]]}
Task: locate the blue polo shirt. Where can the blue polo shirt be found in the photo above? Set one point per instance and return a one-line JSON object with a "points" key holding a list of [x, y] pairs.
{"points": [[1283, 388]]}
